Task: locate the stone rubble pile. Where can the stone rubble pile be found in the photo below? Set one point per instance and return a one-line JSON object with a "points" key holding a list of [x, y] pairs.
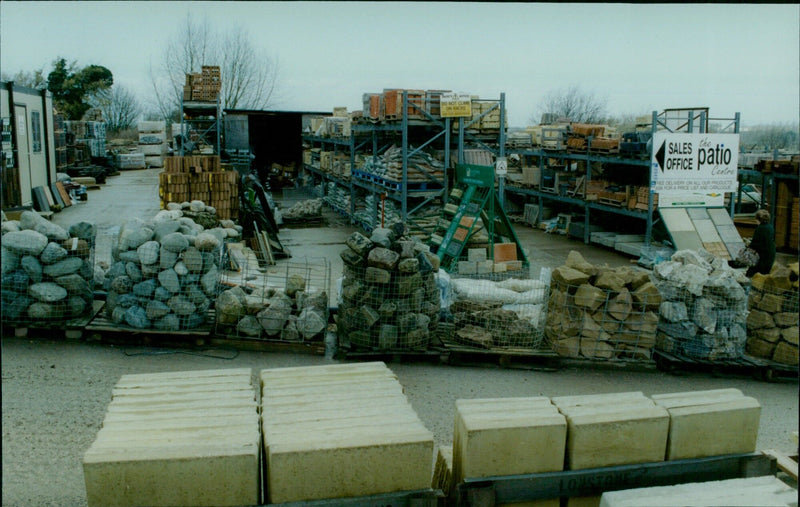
{"points": [[773, 321], [295, 312], [47, 271], [310, 208], [601, 312], [508, 313], [165, 270], [390, 299], [704, 310]]}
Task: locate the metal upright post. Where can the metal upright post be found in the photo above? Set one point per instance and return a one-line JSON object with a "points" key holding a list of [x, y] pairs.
{"points": [[649, 225], [501, 187], [446, 156], [703, 121], [690, 123], [404, 184]]}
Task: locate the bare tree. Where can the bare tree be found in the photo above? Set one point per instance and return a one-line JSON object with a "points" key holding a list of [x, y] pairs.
{"points": [[119, 106], [34, 79], [775, 136], [575, 104], [249, 76]]}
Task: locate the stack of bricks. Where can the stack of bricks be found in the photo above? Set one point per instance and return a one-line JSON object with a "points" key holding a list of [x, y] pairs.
{"points": [[772, 328], [503, 260], [203, 86], [153, 142], [177, 439], [340, 431], [200, 178]]}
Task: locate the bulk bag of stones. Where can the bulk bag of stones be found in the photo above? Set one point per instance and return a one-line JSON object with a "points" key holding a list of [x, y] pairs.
{"points": [[389, 299], [598, 312], [47, 271], [772, 324], [496, 314], [288, 302], [703, 314], [165, 270]]}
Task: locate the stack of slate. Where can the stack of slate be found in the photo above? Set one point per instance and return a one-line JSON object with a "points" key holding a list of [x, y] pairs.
{"points": [[47, 271], [177, 439], [710, 423], [772, 323], [600, 312], [340, 431], [704, 309], [153, 142], [507, 436], [165, 270], [389, 295], [612, 429]]}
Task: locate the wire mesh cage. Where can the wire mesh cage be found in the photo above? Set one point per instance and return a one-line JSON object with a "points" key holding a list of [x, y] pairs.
{"points": [[48, 272], [389, 298], [606, 315], [772, 324], [704, 310], [285, 302], [496, 311], [164, 274]]}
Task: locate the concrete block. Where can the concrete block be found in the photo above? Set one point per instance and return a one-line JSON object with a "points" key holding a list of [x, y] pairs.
{"points": [[763, 491], [467, 267], [597, 399], [499, 267], [476, 254], [393, 459], [702, 427], [485, 267], [616, 432]]}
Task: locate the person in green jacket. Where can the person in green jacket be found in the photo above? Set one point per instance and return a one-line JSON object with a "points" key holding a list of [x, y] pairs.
{"points": [[763, 242]]}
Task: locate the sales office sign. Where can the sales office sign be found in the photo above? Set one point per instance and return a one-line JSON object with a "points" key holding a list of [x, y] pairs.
{"points": [[694, 169]]}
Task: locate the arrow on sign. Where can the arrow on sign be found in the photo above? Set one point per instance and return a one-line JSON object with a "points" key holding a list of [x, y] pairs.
{"points": [[660, 156]]}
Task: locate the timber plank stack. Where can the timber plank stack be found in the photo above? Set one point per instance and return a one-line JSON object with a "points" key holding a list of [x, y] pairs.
{"points": [[200, 178], [340, 431], [186, 438]]}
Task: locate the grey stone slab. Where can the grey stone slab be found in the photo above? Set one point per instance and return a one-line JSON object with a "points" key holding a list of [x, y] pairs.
{"points": [[729, 233], [720, 216], [687, 240], [734, 247], [628, 238], [603, 238], [698, 213], [634, 249], [676, 219], [707, 231]]}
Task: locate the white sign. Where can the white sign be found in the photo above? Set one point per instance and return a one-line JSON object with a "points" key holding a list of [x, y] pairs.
{"points": [[694, 169], [501, 166], [454, 105]]}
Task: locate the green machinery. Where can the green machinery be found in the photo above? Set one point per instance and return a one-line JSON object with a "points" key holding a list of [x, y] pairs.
{"points": [[473, 206]]}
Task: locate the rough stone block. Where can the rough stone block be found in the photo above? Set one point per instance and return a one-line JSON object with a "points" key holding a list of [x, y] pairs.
{"points": [[610, 281], [570, 276], [589, 297], [758, 319], [377, 275], [785, 319], [701, 426], [770, 303], [576, 261], [772, 334], [785, 353], [790, 334], [647, 295], [760, 348]]}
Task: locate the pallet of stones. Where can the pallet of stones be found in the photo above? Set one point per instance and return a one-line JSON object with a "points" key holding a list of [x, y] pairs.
{"points": [[73, 329], [166, 269], [772, 322], [48, 275], [501, 438]]}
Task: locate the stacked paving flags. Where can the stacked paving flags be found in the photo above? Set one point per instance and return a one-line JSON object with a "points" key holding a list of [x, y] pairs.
{"points": [[341, 431], [177, 439]]}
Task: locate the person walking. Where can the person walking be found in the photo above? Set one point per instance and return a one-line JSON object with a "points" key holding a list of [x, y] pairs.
{"points": [[763, 243]]}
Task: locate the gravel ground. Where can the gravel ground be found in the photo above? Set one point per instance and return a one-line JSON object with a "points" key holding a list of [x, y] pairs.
{"points": [[55, 395]]}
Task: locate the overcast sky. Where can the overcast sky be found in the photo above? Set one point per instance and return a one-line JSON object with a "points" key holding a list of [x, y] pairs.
{"points": [[731, 58]]}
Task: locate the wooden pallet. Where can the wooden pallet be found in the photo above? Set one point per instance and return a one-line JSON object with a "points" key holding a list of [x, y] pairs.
{"points": [[431, 354], [788, 464], [102, 329], [266, 345], [762, 369], [71, 330], [519, 358], [611, 202]]}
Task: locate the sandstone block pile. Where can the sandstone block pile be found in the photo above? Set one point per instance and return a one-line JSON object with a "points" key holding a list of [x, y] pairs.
{"points": [[772, 325], [390, 299], [704, 310], [295, 311], [600, 312], [166, 269], [340, 431], [47, 271], [490, 314], [177, 439]]}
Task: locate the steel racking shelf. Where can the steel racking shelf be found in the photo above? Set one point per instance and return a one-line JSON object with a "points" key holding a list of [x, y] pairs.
{"points": [[204, 118]]}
